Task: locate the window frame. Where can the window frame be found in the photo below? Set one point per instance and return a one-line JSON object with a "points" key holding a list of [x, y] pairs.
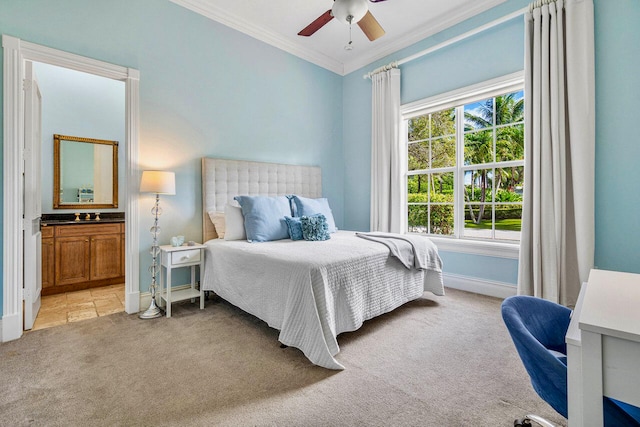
{"points": [[457, 99]]}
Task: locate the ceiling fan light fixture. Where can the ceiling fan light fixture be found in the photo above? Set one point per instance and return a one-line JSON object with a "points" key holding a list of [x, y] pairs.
{"points": [[349, 11]]}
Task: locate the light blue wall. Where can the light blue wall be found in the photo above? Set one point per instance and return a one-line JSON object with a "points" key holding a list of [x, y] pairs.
{"points": [[500, 51], [205, 90], [617, 141], [84, 105]]}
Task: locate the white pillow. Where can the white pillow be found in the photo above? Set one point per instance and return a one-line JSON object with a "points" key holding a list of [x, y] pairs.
{"points": [[234, 223], [217, 218]]}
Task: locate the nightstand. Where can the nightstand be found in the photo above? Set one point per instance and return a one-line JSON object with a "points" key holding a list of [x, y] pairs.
{"points": [[172, 257]]}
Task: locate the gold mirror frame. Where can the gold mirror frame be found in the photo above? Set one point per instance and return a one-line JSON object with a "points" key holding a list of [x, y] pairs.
{"points": [[57, 203]]}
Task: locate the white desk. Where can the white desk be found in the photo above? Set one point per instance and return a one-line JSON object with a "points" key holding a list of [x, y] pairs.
{"points": [[603, 346]]}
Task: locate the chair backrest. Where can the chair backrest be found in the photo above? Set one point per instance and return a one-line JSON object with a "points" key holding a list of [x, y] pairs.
{"points": [[538, 328]]}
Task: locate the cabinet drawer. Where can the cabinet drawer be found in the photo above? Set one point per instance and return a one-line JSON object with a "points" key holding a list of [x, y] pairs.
{"points": [[185, 257], [87, 229]]}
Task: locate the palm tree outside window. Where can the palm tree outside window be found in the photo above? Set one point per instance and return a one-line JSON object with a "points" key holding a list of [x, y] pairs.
{"points": [[465, 172]]}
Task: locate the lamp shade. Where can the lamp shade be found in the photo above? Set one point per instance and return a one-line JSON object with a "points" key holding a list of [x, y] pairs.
{"points": [[159, 182]]}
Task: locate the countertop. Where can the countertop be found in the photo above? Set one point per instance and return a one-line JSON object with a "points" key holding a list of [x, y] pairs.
{"points": [[49, 222], [70, 218]]}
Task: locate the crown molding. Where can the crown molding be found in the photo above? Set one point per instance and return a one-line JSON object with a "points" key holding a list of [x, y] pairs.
{"points": [[260, 33], [265, 35], [418, 35]]}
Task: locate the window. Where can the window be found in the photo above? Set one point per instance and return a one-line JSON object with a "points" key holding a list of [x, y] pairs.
{"points": [[465, 169]]}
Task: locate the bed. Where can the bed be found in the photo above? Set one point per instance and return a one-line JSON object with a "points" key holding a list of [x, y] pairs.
{"points": [[311, 291]]}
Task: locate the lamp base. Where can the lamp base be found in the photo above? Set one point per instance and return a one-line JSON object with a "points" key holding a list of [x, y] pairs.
{"points": [[152, 312]]}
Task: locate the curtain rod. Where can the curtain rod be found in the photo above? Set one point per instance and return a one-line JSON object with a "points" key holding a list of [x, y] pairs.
{"points": [[449, 42]]}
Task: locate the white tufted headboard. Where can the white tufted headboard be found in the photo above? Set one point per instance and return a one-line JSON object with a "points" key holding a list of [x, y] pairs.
{"points": [[222, 180]]}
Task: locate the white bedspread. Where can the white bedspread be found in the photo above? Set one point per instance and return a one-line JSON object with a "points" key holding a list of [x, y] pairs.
{"points": [[313, 291]]}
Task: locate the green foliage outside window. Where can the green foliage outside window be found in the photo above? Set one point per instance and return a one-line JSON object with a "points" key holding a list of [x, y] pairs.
{"points": [[494, 133], [441, 214]]}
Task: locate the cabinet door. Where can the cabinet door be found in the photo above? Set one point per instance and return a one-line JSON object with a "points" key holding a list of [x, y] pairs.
{"points": [[106, 256], [48, 263], [72, 260]]}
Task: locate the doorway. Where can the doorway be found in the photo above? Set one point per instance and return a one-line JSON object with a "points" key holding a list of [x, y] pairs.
{"points": [[16, 54], [90, 107]]}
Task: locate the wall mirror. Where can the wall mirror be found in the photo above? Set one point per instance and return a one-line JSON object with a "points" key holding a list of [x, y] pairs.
{"points": [[85, 173]]}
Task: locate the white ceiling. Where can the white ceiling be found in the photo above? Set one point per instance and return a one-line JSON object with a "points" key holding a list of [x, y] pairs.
{"points": [[277, 22]]}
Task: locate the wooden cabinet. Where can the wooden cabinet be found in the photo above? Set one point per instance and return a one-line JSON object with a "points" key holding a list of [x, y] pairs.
{"points": [[85, 256]]}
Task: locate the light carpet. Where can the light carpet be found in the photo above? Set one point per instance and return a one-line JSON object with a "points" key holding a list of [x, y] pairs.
{"points": [[436, 361]]}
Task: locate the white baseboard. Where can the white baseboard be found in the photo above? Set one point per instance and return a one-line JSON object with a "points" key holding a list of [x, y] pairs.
{"points": [[10, 327], [479, 286], [133, 302]]}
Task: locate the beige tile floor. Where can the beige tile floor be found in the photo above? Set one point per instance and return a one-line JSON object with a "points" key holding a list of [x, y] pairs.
{"points": [[79, 305]]}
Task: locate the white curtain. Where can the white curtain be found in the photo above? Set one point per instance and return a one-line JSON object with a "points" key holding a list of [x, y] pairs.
{"points": [[387, 205], [557, 243]]}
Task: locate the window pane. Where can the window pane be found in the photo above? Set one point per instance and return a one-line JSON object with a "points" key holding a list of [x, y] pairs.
{"points": [[508, 221], [509, 184], [478, 115], [418, 188], [510, 143], [478, 221], [443, 152], [441, 219], [418, 218], [418, 155], [442, 188], [478, 185], [443, 123], [418, 128], [510, 108], [478, 147]]}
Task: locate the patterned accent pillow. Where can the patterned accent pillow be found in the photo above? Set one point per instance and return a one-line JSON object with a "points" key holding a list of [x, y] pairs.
{"points": [[315, 227]]}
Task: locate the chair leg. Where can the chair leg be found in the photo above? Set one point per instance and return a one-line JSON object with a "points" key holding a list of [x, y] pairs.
{"points": [[526, 421]]}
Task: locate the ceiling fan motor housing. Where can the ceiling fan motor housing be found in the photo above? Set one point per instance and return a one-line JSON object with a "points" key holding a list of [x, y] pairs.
{"points": [[349, 11]]}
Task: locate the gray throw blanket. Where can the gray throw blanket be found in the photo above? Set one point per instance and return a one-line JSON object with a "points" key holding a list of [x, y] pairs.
{"points": [[413, 251]]}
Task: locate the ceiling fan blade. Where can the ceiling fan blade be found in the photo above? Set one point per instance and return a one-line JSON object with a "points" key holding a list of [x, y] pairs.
{"points": [[317, 24], [370, 27], [376, 1]]}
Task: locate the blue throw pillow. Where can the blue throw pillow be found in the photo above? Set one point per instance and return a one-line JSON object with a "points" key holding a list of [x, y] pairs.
{"points": [[295, 228], [308, 207], [315, 227], [264, 217]]}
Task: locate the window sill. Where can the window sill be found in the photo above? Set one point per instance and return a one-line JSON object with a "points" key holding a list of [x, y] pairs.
{"points": [[478, 247]]}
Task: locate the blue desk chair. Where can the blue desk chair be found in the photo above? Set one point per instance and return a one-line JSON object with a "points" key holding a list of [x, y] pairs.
{"points": [[538, 328]]}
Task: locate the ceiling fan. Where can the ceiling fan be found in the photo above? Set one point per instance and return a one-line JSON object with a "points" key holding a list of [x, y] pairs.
{"points": [[348, 12]]}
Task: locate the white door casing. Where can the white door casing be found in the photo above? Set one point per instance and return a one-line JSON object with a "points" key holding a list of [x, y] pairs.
{"points": [[15, 54], [32, 196]]}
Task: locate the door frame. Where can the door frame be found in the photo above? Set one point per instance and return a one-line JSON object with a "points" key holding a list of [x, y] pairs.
{"points": [[15, 53]]}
